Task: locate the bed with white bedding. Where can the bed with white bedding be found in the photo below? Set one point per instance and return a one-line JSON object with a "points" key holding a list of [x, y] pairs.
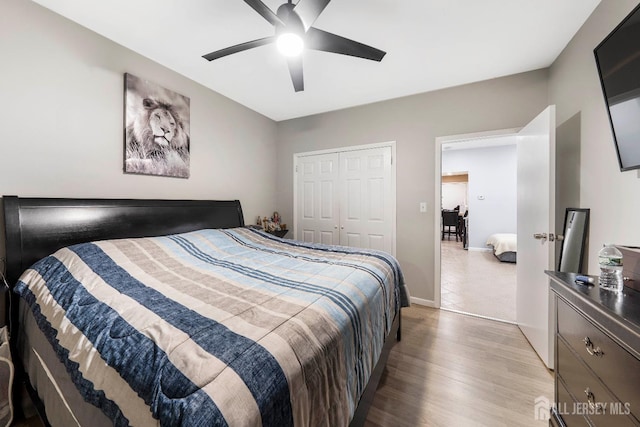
{"points": [[505, 246]]}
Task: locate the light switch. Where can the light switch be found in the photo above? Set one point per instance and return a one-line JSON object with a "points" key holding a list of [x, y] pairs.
{"points": [[423, 207]]}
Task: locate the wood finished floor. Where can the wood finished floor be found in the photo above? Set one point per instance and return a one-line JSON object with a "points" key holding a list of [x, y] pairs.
{"points": [[456, 370], [477, 282]]}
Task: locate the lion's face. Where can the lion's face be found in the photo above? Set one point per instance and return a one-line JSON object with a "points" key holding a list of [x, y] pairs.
{"points": [[156, 132], [163, 125]]}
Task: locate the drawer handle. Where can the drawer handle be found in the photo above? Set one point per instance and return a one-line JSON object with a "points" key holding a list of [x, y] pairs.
{"points": [[596, 407], [589, 346]]}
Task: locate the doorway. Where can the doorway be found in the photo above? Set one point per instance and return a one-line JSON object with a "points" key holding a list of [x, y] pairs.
{"points": [[536, 211], [455, 190], [473, 279]]}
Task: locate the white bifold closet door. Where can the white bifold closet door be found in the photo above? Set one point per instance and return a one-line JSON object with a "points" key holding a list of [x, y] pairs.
{"points": [[345, 198], [318, 201]]}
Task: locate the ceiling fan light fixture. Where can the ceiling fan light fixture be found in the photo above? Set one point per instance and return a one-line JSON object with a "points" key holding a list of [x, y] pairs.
{"points": [[294, 33], [290, 44]]}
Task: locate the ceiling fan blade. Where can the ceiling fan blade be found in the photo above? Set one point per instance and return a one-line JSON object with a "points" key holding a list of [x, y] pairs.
{"points": [[295, 69], [238, 48], [309, 10], [321, 40], [264, 11]]}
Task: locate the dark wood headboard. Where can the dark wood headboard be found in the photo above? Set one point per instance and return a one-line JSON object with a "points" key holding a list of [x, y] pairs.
{"points": [[37, 227]]}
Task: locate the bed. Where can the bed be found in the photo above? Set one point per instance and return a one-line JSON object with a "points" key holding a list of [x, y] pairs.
{"points": [[504, 246], [156, 312]]}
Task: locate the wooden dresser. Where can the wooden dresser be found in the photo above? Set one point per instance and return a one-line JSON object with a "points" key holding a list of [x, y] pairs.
{"points": [[597, 355]]}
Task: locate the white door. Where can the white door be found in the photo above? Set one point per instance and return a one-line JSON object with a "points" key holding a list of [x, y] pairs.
{"points": [[365, 199], [317, 200], [536, 216]]}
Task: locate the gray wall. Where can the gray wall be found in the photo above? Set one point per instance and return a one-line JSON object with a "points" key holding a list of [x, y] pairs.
{"points": [[612, 196], [493, 175], [413, 122], [62, 119]]}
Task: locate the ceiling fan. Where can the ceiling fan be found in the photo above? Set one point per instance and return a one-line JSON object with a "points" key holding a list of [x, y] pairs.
{"points": [[293, 32]]}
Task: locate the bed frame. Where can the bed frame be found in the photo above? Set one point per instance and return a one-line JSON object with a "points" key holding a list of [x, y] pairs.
{"points": [[37, 227]]}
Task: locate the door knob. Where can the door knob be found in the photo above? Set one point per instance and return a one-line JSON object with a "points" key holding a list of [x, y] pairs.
{"points": [[540, 236]]}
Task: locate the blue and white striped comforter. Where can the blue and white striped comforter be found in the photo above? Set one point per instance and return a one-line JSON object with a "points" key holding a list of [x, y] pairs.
{"points": [[217, 327]]}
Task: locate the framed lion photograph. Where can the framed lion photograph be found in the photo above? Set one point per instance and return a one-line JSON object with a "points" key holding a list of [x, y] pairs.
{"points": [[156, 129]]}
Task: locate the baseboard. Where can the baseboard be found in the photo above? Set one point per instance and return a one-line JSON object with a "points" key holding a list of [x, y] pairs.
{"points": [[480, 316], [479, 249], [424, 302]]}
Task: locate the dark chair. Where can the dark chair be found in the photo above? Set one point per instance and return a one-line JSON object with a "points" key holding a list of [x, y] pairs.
{"points": [[462, 226], [450, 224]]}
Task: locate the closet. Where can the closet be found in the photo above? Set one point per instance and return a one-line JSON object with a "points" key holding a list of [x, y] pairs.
{"points": [[346, 197]]}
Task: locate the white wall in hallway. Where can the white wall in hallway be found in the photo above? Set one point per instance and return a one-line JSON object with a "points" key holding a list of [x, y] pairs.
{"points": [[492, 189]]}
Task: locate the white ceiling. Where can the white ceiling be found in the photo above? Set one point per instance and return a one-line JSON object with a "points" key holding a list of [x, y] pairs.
{"points": [[430, 44]]}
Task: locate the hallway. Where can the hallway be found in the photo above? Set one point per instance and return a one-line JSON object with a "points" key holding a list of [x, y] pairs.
{"points": [[476, 282]]}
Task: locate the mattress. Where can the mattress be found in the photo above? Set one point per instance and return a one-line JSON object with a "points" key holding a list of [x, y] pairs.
{"points": [[216, 327], [505, 246], [64, 404]]}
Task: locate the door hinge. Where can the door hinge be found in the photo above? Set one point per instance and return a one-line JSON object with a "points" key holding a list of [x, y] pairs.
{"points": [[296, 168]]}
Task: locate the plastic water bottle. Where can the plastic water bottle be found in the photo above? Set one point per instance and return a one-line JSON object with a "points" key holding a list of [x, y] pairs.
{"points": [[610, 260]]}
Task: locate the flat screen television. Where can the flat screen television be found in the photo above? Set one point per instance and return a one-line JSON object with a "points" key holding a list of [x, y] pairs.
{"points": [[618, 62]]}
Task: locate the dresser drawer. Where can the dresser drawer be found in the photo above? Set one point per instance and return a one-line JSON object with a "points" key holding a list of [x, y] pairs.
{"points": [[566, 409], [592, 398], [616, 367]]}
